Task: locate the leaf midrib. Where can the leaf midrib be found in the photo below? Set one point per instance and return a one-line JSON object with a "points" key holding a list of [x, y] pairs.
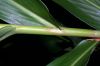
{"points": [[32, 14], [79, 58], [93, 4]]}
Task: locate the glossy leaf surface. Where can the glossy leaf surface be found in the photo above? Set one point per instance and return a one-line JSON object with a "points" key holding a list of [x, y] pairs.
{"points": [[25, 12]]}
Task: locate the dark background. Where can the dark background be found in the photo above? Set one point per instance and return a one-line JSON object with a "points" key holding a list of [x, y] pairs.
{"points": [[31, 51]]}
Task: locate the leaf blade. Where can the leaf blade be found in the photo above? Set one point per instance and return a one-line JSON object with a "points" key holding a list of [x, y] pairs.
{"points": [[86, 10], [77, 55], [16, 13], [6, 32]]}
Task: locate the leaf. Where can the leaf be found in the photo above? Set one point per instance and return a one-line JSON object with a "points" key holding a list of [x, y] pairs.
{"points": [[26, 12], [86, 10], [78, 56], [6, 32]]}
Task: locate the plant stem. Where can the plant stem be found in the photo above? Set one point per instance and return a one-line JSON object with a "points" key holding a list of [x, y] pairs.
{"points": [[54, 31]]}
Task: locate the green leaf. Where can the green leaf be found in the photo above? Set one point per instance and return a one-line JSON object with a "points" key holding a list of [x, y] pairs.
{"points": [[86, 10], [78, 56], [6, 32], [26, 12]]}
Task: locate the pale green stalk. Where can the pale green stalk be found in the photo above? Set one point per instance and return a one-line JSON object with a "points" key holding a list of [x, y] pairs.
{"points": [[54, 31]]}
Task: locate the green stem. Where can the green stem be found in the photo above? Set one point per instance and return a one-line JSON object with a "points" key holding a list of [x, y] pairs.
{"points": [[54, 31]]}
